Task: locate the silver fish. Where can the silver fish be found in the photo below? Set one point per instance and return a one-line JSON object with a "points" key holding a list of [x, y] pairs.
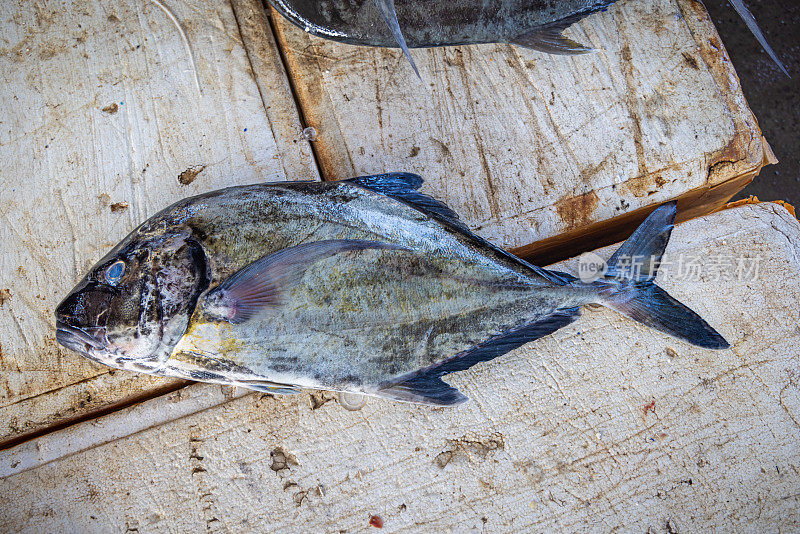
{"points": [[535, 24], [364, 286]]}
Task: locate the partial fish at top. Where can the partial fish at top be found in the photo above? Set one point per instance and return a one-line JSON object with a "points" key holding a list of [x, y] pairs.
{"points": [[406, 24]]}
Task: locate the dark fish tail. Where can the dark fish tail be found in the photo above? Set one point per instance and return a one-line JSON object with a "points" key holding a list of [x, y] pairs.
{"points": [[630, 288]]}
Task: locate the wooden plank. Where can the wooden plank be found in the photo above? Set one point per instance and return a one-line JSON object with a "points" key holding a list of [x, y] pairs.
{"points": [[526, 146], [101, 126], [603, 425]]}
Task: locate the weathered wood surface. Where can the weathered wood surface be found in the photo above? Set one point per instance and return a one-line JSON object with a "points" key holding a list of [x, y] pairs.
{"points": [[527, 146], [101, 125], [604, 425]]}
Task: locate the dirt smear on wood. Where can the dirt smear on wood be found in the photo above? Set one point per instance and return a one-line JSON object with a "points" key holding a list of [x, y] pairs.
{"points": [[189, 175]]}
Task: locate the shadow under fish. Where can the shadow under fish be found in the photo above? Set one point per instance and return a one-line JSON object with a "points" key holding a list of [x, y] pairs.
{"points": [[406, 24]]}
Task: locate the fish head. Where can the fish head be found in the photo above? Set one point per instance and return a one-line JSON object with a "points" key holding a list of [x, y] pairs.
{"points": [[134, 305]]}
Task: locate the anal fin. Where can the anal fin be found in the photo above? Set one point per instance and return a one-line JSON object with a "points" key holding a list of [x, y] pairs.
{"points": [[424, 389], [507, 341], [427, 387]]}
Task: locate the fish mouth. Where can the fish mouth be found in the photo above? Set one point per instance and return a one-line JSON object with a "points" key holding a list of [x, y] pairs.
{"points": [[79, 339]]}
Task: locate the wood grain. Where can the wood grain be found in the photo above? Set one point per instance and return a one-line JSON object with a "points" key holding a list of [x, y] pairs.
{"points": [[604, 425], [527, 146], [102, 125]]}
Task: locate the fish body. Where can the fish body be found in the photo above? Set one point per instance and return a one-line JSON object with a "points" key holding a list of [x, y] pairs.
{"points": [[429, 24], [364, 286]]}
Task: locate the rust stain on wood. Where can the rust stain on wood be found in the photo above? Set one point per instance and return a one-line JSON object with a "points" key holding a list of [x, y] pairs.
{"points": [[577, 211], [582, 239]]}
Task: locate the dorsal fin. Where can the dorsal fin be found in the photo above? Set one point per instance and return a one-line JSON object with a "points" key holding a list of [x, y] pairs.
{"points": [[389, 182], [403, 186], [427, 387]]}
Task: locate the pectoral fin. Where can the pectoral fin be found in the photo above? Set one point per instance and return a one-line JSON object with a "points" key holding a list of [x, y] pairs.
{"points": [[389, 15], [264, 283]]}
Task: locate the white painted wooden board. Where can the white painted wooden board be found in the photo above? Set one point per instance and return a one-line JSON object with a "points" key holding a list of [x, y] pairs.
{"points": [[527, 146], [603, 426], [99, 115]]}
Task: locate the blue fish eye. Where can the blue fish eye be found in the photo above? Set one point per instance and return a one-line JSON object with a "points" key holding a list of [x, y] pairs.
{"points": [[115, 272]]}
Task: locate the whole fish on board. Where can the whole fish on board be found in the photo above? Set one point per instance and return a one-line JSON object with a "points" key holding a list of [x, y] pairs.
{"points": [[365, 286], [535, 24]]}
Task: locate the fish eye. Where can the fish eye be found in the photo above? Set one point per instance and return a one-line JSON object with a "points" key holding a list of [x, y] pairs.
{"points": [[115, 272]]}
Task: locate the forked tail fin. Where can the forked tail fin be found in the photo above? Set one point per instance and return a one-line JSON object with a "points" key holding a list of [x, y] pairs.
{"points": [[631, 274]]}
